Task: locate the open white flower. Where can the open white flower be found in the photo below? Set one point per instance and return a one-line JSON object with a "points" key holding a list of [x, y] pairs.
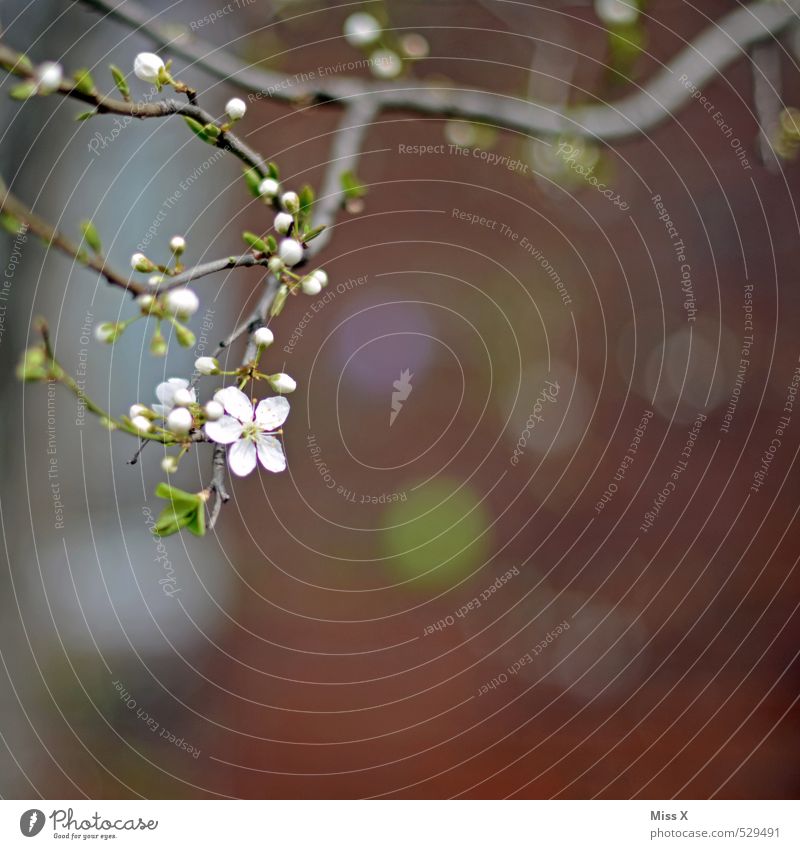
{"points": [[248, 431], [165, 392]]}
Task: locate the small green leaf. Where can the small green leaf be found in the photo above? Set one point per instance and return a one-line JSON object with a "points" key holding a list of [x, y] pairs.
{"points": [[23, 91], [83, 81], [312, 234], [196, 127], [212, 131], [23, 64], [352, 187], [273, 170], [272, 244], [279, 301], [10, 222], [253, 180], [306, 200], [255, 242], [179, 497], [120, 82], [85, 115], [91, 236], [185, 337], [185, 510], [33, 365]]}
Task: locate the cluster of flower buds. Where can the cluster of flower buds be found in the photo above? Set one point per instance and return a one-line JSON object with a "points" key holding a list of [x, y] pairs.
{"points": [[386, 53]]}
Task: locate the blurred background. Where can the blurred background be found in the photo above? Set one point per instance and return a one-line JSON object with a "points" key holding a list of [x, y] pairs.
{"points": [[548, 565]]}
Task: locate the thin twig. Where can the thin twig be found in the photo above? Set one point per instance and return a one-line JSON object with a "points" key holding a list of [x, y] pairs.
{"points": [[720, 45]]}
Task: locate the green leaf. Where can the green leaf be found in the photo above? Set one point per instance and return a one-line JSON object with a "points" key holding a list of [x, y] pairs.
{"points": [[197, 128], [255, 242], [212, 131], [306, 200], [84, 115], [185, 337], [23, 91], [312, 234], [253, 180], [273, 170], [179, 497], [91, 236], [10, 222], [120, 82], [352, 187], [83, 81], [272, 244], [33, 365], [23, 64]]}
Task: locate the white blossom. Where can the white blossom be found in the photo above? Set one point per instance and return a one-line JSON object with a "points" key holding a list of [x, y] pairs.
{"points": [[213, 410], [290, 251], [290, 201], [142, 424], [177, 244], [207, 365], [386, 64], [48, 77], [165, 392], [263, 337], [275, 265], [183, 397], [155, 280], [106, 332], [282, 383], [311, 285], [137, 410], [361, 29], [139, 262], [617, 12], [179, 421], [235, 108], [321, 276], [268, 187], [283, 222], [169, 464], [182, 302], [249, 431], [148, 67]]}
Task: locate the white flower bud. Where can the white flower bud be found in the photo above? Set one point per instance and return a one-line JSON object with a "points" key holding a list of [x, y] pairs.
{"points": [[139, 262], [235, 108], [290, 251], [182, 303], [179, 421], [169, 464], [214, 410], [263, 337], [268, 187], [311, 285], [386, 64], [207, 365], [283, 222], [142, 424], [275, 265], [182, 397], [48, 77], [616, 12], [106, 332], [148, 67], [145, 301], [361, 29], [137, 410], [290, 202], [282, 383], [155, 280], [321, 276], [177, 244]]}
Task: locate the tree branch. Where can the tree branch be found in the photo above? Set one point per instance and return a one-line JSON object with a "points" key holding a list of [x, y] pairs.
{"points": [[708, 55]]}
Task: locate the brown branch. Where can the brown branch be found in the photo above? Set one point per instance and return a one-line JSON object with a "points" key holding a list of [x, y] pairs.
{"points": [[720, 45]]}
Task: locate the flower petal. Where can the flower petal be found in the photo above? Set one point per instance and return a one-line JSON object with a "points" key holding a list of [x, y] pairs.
{"points": [[224, 430], [161, 410], [270, 452], [242, 457], [272, 412], [236, 403]]}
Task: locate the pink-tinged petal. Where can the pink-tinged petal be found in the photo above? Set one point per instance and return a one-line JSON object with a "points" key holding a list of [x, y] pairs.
{"points": [[272, 412], [224, 430], [270, 452], [236, 403], [242, 457]]}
